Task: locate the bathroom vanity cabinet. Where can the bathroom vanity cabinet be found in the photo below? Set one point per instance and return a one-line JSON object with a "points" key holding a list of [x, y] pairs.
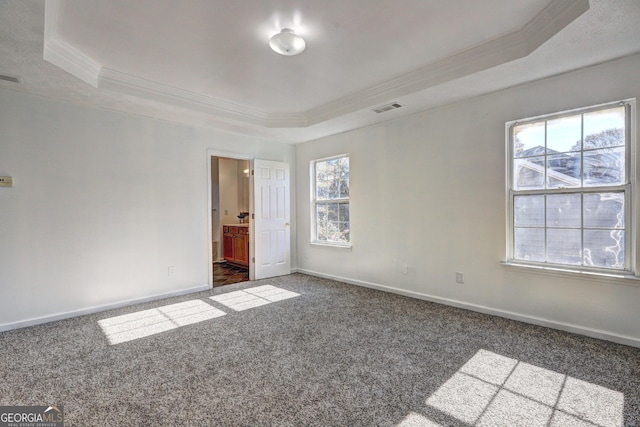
{"points": [[235, 243]]}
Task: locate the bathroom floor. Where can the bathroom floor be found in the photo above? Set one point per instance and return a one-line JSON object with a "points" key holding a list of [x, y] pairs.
{"points": [[227, 274]]}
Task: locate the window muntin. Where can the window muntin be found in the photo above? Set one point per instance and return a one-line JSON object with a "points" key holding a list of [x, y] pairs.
{"points": [[570, 189], [331, 222]]}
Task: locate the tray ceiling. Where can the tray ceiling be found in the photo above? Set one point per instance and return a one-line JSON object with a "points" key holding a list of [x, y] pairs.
{"points": [[209, 62]]}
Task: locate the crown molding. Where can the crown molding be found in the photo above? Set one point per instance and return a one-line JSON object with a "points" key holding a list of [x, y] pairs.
{"points": [[137, 86], [484, 56], [518, 44], [551, 20], [71, 60], [287, 120], [63, 55], [51, 14]]}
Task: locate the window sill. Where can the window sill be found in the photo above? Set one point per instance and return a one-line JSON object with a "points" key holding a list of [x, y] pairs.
{"points": [[332, 245], [623, 278]]}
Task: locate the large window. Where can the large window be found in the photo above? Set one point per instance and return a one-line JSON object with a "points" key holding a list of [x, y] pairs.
{"points": [[570, 189], [330, 219]]}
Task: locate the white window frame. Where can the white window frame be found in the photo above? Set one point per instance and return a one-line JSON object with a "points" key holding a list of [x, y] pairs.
{"points": [[315, 202], [628, 187]]}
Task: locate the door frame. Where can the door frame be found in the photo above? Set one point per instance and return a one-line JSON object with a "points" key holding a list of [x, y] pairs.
{"points": [[229, 155]]}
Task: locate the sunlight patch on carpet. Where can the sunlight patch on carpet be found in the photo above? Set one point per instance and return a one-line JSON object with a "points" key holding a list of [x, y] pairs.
{"points": [[144, 323], [417, 420], [253, 297], [491, 389]]}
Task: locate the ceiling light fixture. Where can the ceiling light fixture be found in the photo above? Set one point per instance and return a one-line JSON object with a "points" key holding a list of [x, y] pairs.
{"points": [[287, 43]]}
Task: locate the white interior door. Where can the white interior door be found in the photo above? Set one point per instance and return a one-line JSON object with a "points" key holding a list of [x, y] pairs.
{"points": [[272, 249]]}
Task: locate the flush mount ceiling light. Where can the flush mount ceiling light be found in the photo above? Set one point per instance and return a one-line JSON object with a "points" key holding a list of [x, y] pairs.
{"points": [[287, 43]]}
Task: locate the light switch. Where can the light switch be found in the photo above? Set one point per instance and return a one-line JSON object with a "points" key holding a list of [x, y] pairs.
{"points": [[6, 181]]}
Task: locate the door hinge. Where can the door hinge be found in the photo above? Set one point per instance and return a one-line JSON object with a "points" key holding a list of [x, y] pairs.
{"points": [[253, 216], [252, 174], [253, 260]]}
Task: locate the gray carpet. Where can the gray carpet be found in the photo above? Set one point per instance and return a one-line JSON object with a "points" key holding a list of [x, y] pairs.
{"points": [[301, 351]]}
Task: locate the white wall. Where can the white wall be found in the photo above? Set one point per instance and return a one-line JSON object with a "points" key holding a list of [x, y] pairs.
{"points": [[102, 204], [243, 185], [428, 191], [228, 175]]}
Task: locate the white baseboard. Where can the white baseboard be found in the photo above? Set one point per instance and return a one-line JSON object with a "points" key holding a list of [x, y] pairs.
{"points": [[594, 333], [98, 308]]}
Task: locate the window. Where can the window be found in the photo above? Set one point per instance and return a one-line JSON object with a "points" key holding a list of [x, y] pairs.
{"points": [[330, 219], [569, 195]]}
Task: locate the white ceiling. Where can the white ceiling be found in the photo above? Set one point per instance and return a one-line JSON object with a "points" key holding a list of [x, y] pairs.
{"points": [[208, 62]]}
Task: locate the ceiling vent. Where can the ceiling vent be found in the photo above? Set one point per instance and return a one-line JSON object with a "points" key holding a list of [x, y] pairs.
{"points": [[10, 79], [387, 107]]}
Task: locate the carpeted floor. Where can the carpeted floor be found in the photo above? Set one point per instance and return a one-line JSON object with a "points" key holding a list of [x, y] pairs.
{"points": [[304, 351]]}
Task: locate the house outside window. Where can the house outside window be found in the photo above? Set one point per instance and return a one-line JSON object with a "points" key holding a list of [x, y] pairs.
{"points": [[570, 180], [330, 208]]}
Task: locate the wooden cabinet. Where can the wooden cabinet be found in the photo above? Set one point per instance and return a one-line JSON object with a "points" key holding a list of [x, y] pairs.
{"points": [[235, 242], [227, 245]]}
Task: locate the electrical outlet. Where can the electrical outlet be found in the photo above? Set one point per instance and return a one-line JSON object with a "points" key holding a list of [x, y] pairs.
{"points": [[171, 271], [459, 277], [404, 269]]}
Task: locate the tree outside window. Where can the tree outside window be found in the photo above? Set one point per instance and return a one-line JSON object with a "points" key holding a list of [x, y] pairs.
{"points": [[330, 199]]}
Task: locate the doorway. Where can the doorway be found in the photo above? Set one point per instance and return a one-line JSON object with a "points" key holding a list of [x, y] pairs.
{"points": [[266, 250], [230, 224]]}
